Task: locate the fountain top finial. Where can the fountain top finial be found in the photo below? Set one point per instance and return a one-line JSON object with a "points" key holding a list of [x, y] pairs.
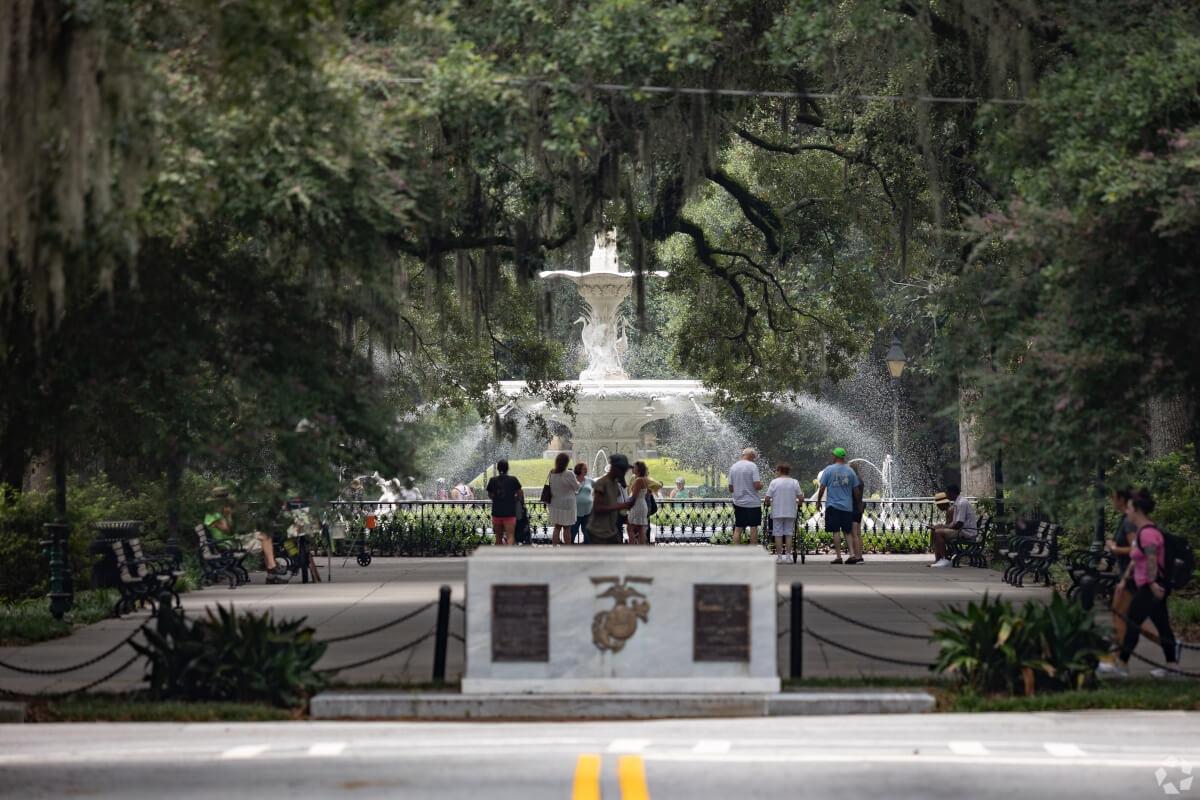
{"points": [[604, 253]]}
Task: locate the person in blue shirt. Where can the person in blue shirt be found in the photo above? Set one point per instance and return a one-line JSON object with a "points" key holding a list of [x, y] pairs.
{"points": [[839, 481]]}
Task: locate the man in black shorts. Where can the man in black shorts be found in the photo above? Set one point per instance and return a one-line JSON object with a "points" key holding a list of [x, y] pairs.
{"points": [[840, 481], [744, 484]]}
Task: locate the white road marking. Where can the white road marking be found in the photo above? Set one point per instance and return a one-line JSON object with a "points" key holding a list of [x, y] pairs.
{"points": [[245, 751], [710, 746], [1064, 749], [327, 749], [968, 749], [628, 745]]}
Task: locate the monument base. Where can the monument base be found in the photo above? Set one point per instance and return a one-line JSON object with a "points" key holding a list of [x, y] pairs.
{"points": [[621, 620]]}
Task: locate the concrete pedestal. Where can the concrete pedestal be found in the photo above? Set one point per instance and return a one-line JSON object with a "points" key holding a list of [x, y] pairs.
{"points": [[621, 619]]}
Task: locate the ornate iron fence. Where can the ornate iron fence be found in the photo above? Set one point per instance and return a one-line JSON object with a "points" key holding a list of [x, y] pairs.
{"points": [[439, 527]]}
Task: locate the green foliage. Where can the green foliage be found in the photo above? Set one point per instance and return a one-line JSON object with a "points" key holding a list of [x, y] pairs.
{"points": [[230, 656], [1146, 694], [992, 647], [25, 570], [29, 621]]}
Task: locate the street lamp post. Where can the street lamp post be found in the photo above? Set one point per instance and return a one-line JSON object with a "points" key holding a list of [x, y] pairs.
{"points": [[896, 361]]}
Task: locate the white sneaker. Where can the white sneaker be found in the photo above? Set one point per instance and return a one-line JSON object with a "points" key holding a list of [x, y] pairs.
{"points": [[1112, 670], [1165, 674], [945, 562]]}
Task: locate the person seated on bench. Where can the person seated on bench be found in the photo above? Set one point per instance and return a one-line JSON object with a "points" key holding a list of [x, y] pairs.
{"points": [[220, 524], [960, 524]]}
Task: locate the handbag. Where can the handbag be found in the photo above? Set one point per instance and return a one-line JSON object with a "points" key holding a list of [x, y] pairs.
{"points": [[546, 493]]}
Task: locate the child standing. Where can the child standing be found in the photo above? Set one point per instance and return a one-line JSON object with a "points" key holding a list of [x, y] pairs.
{"points": [[783, 499]]}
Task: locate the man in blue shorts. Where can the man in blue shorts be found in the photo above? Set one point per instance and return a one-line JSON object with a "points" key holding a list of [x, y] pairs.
{"points": [[840, 481]]}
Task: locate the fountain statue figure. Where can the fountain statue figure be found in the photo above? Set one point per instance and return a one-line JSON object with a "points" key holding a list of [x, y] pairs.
{"points": [[603, 288]]}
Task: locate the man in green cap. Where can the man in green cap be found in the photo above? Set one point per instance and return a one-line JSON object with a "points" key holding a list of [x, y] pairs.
{"points": [[840, 482]]}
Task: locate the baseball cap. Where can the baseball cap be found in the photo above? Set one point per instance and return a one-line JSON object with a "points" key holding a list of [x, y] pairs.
{"points": [[618, 460], [839, 452]]}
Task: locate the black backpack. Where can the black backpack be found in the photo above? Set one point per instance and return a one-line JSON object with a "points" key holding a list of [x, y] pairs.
{"points": [[1179, 558], [651, 504]]}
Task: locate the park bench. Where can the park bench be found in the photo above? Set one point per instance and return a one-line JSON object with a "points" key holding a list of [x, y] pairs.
{"points": [[1032, 555], [973, 550], [142, 581], [1099, 565], [220, 561]]}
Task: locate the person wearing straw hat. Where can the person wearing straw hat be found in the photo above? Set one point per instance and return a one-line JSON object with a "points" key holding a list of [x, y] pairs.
{"points": [[219, 523], [960, 524]]}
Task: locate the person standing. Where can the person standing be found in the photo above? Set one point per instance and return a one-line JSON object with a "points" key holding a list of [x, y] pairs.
{"points": [[963, 525], [744, 484], [503, 490], [783, 500], [854, 541], [639, 514], [839, 481], [410, 493], [462, 491], [680, 492], [583, 502], [608, 501], [1146, 581], [563, 488], [440, 493]]}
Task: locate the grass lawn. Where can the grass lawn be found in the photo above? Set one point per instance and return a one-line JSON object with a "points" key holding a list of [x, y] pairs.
{"points": [[531, 472], [140, 708], [29, 621], [1137, 693]]}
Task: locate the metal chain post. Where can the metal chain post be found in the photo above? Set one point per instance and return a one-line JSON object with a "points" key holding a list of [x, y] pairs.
{"points": [[442, 635], [797, 628]]}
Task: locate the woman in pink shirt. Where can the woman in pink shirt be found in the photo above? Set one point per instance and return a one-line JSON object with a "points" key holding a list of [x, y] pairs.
{"points": [[1144, 580]]}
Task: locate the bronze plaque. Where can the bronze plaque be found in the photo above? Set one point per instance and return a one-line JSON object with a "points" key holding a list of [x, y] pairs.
{"points": [[721, 622], [520, 622]]}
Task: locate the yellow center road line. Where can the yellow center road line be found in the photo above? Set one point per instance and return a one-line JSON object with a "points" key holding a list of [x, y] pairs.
{"points": [[631, 773], [587, 777]]}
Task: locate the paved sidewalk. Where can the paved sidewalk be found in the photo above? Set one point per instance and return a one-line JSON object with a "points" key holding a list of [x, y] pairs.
{"points": [[893, 592]]}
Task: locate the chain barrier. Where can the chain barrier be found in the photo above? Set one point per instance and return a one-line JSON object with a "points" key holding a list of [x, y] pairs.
{"points": [[458, 637], [388, 654], [81, 665], [1128, 621], [864, 654], [867, 625], [69, 692], [378, 628], [1167, 667], [460, 606]]}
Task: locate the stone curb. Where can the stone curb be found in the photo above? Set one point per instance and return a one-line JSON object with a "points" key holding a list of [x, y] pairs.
{"points": [[447, 706], [12, 712]]}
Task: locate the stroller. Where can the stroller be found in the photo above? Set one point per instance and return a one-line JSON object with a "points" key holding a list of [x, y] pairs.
{"points": [[524, 532]]}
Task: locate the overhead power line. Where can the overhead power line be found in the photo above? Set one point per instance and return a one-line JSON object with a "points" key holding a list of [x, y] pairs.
{"points": [[698, 91]]}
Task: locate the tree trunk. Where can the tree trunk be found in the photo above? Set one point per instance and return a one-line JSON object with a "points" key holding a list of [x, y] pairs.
{"points": [[1172, 420], [977, 477]]}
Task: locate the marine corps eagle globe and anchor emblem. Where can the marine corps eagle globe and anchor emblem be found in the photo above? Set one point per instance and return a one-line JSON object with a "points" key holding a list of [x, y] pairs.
{"points": [[612, 628]]}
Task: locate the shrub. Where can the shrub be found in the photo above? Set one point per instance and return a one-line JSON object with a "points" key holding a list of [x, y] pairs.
{"points": [[992, 647], [232, 657]]}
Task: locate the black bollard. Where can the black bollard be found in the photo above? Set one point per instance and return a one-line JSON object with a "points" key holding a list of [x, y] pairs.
{"points": [[441, 636], [797, 631], [1087, 591]]}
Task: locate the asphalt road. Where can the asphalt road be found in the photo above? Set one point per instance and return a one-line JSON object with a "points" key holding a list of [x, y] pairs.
{"points": [[1084, 754]]}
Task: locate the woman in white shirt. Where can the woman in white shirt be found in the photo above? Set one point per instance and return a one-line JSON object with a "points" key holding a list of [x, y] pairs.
{"points": [[563, 488], [783, 498]]}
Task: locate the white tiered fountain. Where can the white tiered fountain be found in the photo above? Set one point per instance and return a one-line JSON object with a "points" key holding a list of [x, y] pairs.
{"points": [[610, 409]]}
